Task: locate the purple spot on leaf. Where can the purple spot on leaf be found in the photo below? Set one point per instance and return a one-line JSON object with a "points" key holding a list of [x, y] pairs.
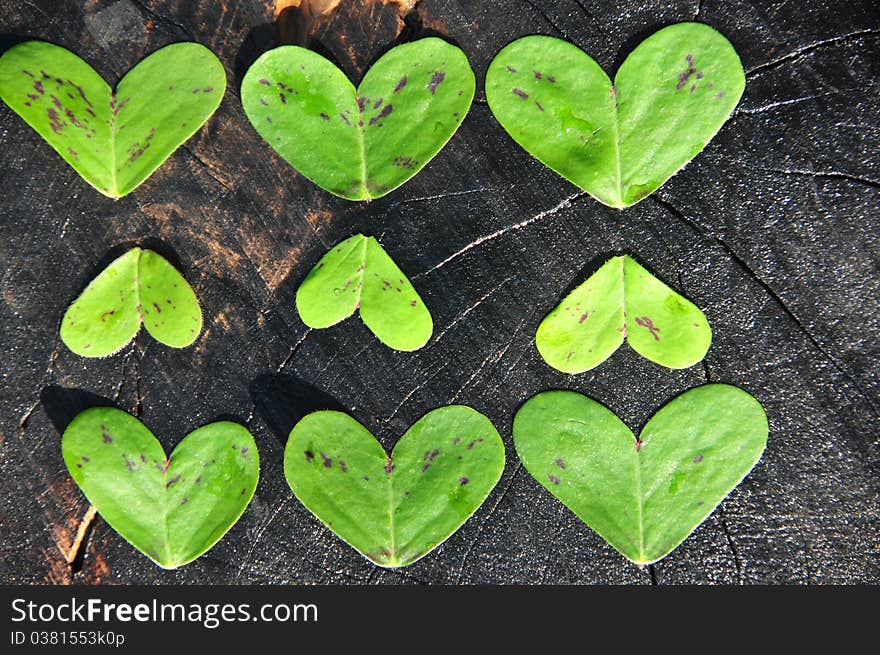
{"points": [[405, 162], [436, 79], [646, 322], [387, 109]]}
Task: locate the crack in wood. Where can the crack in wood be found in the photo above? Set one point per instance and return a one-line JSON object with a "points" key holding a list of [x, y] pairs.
{"points": [[485, 520], [208, 169], [503, 378], [415, 390], [48, 378], [463, 314], [837, 175], [281, 366], [774, 295], [540, 12], [807, 49], [584, 9], [563, 204], [779, 103], [729, 537], [494, 357], [451, 194]]}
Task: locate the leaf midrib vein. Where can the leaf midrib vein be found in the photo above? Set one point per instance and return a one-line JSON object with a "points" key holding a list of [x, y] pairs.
{"points": [[640, 507], [614, 99], [393, 555], [165, 510], [113, 132], [641, 504], [361, 127], [363, 267]]}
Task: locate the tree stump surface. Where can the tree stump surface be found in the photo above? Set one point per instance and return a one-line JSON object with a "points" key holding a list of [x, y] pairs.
{"points": [[773, 230]]}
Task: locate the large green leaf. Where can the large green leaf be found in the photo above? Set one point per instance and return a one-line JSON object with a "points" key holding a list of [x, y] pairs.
{"points": [[394, 510], [171, 509], [359, 274], [643, 496], [114, 139], [139, 285], [359, 143], [619, 143], [623, 301]]}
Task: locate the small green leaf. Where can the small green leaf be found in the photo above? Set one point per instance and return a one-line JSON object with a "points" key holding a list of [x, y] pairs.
{"points": [[359, 143], [619, 143], [171, 509], [113, 139], [394, 510], [645, 496], [358, 273], [623, 300], [139, 285]]}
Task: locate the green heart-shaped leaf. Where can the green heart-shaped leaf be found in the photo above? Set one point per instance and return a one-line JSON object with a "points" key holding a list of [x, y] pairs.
{"points": [[359, 274], [171, 509], [643, 496], [138, 286], [394, 510], [114, 139], [623, 300], [359, 143], [618, 143]]}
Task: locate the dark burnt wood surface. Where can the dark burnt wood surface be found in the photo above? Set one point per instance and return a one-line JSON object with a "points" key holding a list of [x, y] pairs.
{"points": [[772, 230]]}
